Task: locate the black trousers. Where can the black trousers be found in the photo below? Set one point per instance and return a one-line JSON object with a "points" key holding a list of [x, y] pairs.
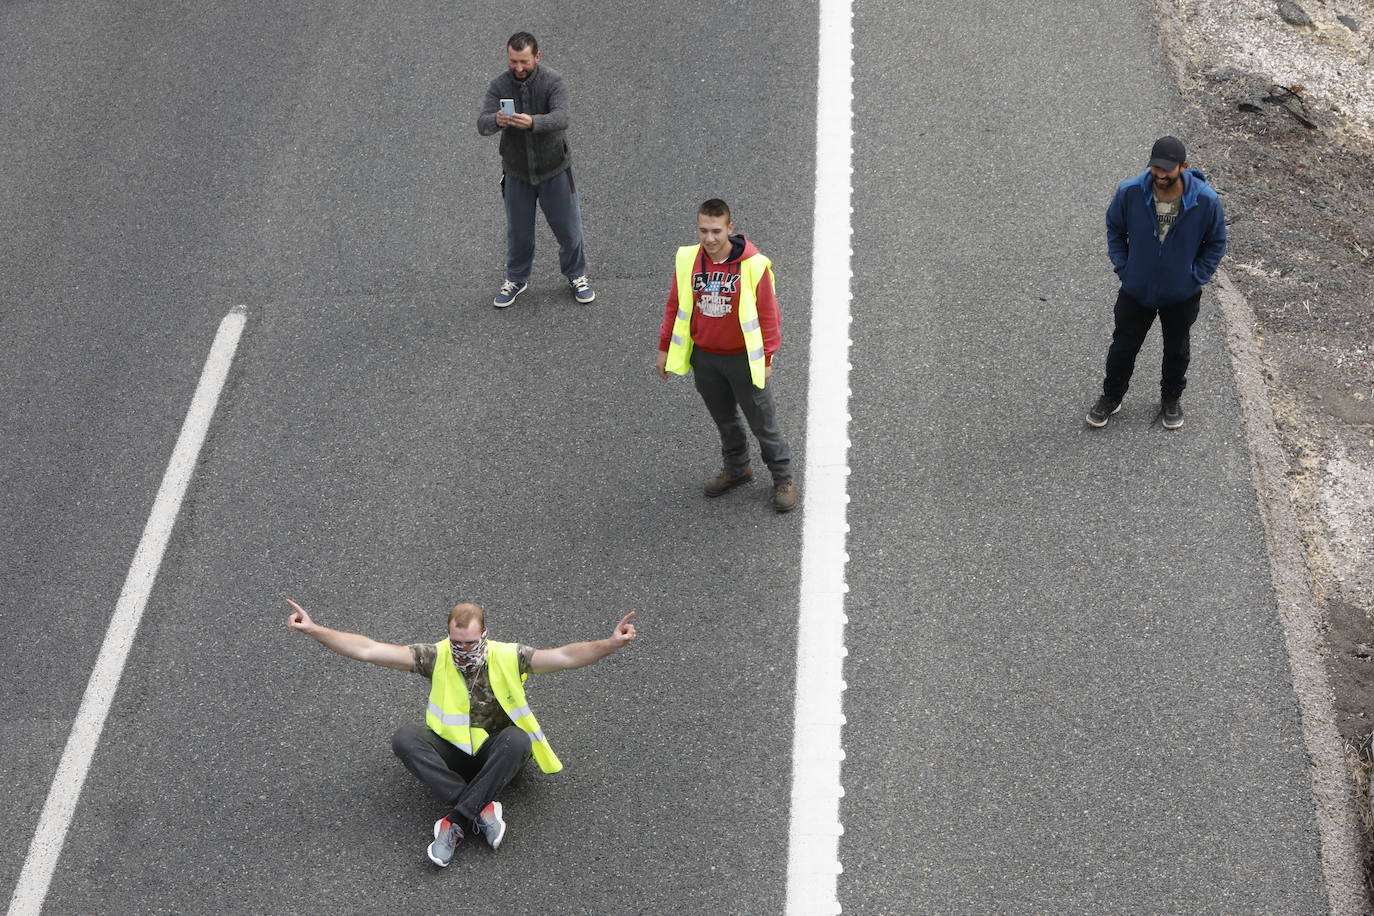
{"points": [[467, 783], [1133, 322], [728, 390]]}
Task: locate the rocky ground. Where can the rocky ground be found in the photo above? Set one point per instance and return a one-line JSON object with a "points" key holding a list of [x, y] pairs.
{"points": [[1282, 121]]}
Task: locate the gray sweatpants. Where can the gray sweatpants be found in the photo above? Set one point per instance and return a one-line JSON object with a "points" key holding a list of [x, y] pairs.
{"points": [[725, 386], [557, 197]]}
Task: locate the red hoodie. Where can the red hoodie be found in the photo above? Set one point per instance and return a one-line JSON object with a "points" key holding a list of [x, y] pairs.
{"points": [[715, 322]]}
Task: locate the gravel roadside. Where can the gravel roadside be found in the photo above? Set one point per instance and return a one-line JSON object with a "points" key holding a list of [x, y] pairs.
{"points": [[1280, 97]]}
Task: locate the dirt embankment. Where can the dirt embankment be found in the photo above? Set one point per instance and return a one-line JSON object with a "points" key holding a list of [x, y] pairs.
{"points": [[1281, 94]]}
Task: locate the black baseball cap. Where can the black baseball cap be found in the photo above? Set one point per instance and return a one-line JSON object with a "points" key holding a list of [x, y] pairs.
{"points": [[1167, 153]]}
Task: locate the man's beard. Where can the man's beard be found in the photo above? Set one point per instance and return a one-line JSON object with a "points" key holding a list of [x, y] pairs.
{"points": [[1165, 184]]}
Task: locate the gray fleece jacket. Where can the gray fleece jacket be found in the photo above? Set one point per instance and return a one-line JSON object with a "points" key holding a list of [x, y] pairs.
{"points": [[540, 153]]}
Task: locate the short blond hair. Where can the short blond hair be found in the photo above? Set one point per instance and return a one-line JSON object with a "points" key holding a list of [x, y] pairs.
{"points": [[464, 613]]}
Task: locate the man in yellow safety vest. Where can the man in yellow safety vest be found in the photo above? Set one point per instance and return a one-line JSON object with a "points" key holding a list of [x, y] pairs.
{"points": [[479, 729], [722, 322]]}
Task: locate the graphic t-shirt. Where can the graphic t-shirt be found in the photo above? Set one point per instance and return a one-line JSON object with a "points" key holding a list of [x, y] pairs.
{"points": [[1166, 212], [716, 289]]}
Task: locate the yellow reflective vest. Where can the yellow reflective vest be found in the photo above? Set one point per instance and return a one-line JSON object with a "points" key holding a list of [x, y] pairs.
{"points": [[449, 704], [751, 271]]}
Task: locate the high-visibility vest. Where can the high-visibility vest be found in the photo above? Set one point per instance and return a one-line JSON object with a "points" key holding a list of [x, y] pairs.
{"points": [[449, 704], [751, 271]]}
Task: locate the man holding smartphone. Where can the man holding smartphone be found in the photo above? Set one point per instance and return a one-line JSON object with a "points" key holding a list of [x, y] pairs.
{"points": [[528, 105]]}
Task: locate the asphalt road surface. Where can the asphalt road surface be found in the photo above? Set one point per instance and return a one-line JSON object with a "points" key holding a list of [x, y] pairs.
{"points": [[1067, 690]]}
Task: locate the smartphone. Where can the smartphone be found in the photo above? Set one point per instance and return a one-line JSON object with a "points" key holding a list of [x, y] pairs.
{"points": [[508, 106]]}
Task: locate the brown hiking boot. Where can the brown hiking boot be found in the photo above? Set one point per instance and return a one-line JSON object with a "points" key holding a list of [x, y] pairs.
{"points": [[726, 480], [785, 496]]}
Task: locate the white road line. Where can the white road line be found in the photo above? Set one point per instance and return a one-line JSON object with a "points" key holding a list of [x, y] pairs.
{"points": [[53, 823], [813, 842]]}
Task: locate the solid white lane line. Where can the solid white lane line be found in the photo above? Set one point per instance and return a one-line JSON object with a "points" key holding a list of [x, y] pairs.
{"points": [[53, 823], [813, 865]]}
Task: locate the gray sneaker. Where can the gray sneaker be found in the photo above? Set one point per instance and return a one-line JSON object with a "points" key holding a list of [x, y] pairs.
{"points": [[507, 293], [447, 836], [1171, 414], [492, 825]]}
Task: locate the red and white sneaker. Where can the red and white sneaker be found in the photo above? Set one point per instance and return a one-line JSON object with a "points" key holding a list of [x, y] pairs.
{"points": [[492, 825], [447, 836]]}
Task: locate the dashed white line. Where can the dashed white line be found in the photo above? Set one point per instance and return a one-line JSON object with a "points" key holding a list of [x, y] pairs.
{"points": [[53, 823], [813, 865]]}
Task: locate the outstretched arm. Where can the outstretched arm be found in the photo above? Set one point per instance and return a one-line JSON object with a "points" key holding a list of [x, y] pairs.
{"points": [[581, 654], [350, 645]]}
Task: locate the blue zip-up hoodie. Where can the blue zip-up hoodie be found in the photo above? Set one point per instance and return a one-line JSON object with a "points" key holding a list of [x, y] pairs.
{"points": [[1161, 274]]}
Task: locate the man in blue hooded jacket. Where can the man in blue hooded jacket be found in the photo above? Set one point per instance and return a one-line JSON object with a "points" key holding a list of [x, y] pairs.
{"points": [[1166, 235]]}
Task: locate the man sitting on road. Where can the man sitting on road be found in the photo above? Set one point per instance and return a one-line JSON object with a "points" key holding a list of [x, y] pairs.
{"points": [[479, 730]]}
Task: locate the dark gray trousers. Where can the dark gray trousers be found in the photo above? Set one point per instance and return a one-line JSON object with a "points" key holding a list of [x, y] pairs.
{"points": [[557, 197], [725, 386], [467, 783]]}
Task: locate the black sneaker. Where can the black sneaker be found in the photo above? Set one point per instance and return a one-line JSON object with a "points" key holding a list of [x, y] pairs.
{"points": [[1171, 414], [1102, 411]]}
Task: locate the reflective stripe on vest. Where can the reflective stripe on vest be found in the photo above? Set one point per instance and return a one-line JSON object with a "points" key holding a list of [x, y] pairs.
{"points": [[449, 718], [449, 710], [751, 271]]}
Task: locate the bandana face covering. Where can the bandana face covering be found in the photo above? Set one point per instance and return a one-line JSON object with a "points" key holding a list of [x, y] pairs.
{"points": [[472, 659]]}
